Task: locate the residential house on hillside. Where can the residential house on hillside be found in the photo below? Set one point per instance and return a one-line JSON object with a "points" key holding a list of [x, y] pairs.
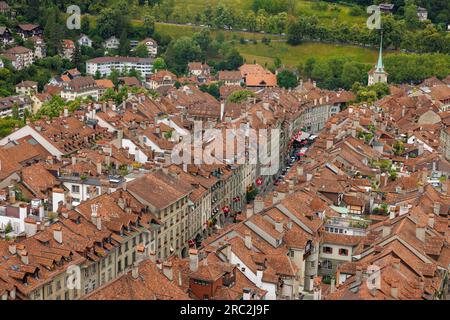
{"points": [[255, 76], [20, 57], [160, 79], [27, 88], [68, 49], [230, 78], [7, 105], [111, 43], [40, 49], [29, 30], [152, 46], [6, 36], [4, 7], [80, 87], [85, 41]]}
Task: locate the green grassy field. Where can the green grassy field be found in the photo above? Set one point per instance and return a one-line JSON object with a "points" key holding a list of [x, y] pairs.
{"points": [[264, 54], [302, 7], [177, 31], [293, 55]]}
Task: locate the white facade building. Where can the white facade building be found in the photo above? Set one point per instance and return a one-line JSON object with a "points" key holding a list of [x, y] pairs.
{"points": [[105, 65]]}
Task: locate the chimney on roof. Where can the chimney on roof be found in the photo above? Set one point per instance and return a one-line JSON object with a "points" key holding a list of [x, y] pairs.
{"points": [[291, 186], [299, 171], [24, 257], [275, 198], [333, 127], [248, 240], [222, 110], [57, 234], [279, 225], [394, 289], [396, 264], [99, 168], [289, 224], [444, 188], [228, 253], [329, 143], [333, 285], [168, 270], [140, 253], [249, 210], [420, 148], [98, 223], [120, 137], [422, 283], [30, 227], [193, 260], [420, 231], [96, 220], [358, 274], [12, 195], [436, 208], [383, 180], [246, 294], [424, 176], [386, 228], [66, 112], [258, 204], [391, 214], [12, 247], [431, 220], [152, 256], [135, 270]]}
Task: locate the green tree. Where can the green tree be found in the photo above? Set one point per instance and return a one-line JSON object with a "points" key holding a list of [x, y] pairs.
{"points": [[167, 7], [141, 51], [180, 52], [149, 25], [159, 64], [53, 33], [124, 46], [286, 79]]}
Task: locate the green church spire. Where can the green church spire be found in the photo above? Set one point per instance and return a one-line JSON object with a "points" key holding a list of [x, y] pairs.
{"points": [[380, 67]]}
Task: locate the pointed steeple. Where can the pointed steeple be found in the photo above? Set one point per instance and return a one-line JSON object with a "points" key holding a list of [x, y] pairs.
{"points": [[380, 67]]}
